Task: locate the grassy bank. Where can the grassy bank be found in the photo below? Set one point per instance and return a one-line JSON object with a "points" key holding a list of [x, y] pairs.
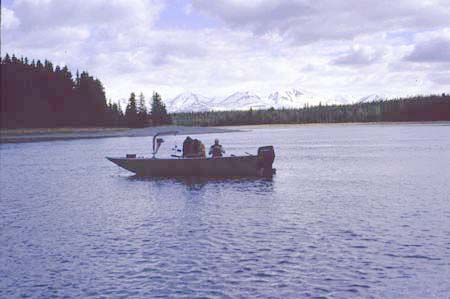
{"points": [[53, 134], [15, 132]]}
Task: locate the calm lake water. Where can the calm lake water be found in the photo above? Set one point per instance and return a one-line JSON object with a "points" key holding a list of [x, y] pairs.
{"points": [[354, 211]]}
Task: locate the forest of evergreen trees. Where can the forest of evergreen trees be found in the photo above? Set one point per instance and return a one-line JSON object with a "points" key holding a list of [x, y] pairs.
{"points": [[420, 108], [35, 94], [136, 115]]}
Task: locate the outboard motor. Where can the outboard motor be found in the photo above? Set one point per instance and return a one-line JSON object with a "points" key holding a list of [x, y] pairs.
{"points": [[266, 156]]}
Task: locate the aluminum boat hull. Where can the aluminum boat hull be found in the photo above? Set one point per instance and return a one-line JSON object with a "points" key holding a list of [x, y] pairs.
{"points": [[234, 166]]}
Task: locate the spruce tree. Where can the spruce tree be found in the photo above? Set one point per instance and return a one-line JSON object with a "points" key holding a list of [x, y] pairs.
{"points": [[159, 113], [131, 113], [7, 59], [142, 111]]}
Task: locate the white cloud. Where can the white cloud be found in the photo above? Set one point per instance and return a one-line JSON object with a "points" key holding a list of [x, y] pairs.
{"points": [[441, 78], [38, 14], [434, 50], [358, 56], [262, 47], [305, 21], [8, 19]]}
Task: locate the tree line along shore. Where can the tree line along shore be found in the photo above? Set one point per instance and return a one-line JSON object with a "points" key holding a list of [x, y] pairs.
{"points": [[39, 95], [412, 109]]}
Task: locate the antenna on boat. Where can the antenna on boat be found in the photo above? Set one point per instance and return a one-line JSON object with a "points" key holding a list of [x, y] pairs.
{"points": [[158, 141]]}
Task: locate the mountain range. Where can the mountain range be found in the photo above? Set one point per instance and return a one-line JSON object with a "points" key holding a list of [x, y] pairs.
{"points": [[292, 98]]}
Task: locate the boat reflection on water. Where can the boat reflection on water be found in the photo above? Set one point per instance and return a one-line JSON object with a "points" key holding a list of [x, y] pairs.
{"points": [[263, 185]]}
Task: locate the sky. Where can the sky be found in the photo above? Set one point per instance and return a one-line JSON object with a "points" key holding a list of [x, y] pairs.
{"points": [[214, 48]]}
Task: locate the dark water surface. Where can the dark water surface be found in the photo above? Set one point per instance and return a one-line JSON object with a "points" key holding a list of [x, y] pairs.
{"points": [[355, 211]]}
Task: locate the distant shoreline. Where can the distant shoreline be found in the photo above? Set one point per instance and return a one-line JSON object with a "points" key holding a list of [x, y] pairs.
{"points": [[56, 134], [439, 122]]}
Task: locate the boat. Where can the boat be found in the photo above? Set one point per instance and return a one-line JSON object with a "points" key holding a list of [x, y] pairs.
{"points": [[257, 165]]}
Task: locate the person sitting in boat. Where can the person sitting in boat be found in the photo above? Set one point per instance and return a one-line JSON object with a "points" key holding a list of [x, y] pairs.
{"points": [[216, 150], [187, 146], [198, 149], [193, 148], [202, 150]]}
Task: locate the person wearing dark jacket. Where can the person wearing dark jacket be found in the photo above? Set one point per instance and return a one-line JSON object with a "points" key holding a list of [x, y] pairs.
{"points": [[187, 146], [216, 150]]}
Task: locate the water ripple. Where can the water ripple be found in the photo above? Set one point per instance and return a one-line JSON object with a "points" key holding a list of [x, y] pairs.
{"points": [[353, 212]]}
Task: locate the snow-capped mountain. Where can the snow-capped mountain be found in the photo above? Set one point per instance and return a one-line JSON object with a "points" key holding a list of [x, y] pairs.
{"points": [[241, 101], [188, 101], [344, 99], [295, 98], [292, 98]]}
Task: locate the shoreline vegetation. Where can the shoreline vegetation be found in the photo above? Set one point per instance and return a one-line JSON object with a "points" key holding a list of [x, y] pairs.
{"points": [[55, 134], [412, 109]]}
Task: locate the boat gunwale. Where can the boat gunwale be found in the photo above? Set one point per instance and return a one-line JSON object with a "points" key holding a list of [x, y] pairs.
{"points": [[180, 158]]}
